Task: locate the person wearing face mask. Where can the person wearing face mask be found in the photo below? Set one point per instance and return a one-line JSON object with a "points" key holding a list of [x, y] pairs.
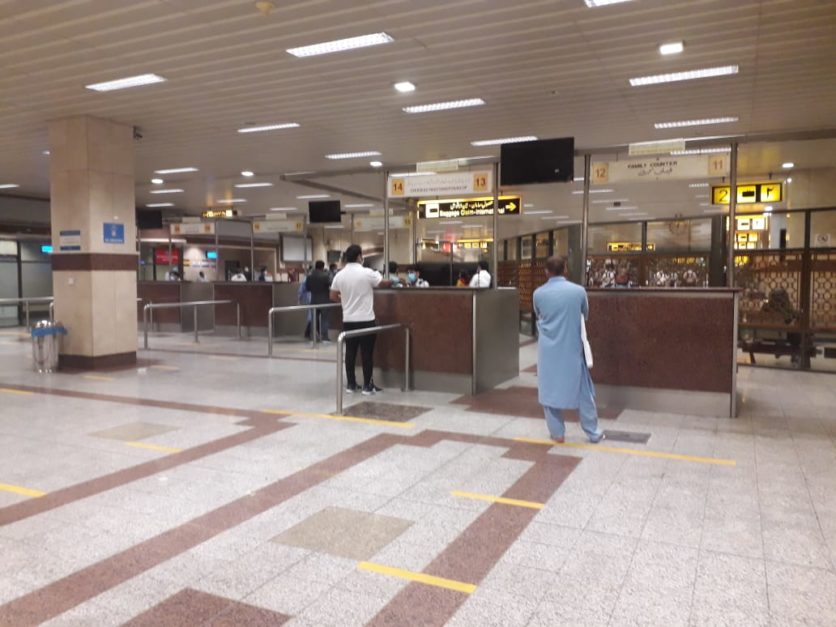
{"points": [[413, 278]]}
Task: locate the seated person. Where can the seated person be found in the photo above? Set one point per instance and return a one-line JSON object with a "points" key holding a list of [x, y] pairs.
{"points": [[413, 278]]}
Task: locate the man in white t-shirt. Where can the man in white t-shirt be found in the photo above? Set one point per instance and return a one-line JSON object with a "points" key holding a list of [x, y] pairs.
{"points": [[482, 278], [353, 287]]}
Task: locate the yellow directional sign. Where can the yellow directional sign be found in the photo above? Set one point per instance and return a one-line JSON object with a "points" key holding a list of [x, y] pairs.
{"points": [[771, 192], [748, 194]]}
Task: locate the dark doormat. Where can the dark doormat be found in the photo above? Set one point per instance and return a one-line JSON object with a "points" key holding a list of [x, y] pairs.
{"points": [[627, 436], [385, 411]]}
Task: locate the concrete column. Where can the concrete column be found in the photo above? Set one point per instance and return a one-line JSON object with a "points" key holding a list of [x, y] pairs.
{"points": [[93, 237]]}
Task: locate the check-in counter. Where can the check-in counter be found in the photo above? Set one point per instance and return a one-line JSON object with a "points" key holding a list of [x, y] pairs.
{"points": [[670, 350]]}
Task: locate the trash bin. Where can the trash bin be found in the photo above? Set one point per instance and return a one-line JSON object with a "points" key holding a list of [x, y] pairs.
{"points": [[46, 345]]}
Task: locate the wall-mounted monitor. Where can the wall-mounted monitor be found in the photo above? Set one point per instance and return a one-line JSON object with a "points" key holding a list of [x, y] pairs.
{"points": [[149, 219], [324, 211], [542, 161]]}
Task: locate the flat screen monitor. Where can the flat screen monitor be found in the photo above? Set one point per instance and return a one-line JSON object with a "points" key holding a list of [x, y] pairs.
{"points": [[542, 161], [323, 211], [149, 219]]}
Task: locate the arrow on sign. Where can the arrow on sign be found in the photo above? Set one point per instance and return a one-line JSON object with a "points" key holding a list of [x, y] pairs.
{"points": [[511, 206]]}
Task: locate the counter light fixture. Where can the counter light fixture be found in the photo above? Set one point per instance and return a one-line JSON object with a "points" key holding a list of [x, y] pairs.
{"points": [[444, 106], [701, 151], [353, 155], [674, 47], [602, 3], [313, 196], [268, 127], [376, 164], [157, 181], [9, 185], [246, 185], [124, 83], [173, 190], [152, 205], [247, 173], [283, 209], [703, 122], [230, 201], [404, 87], [673, 77], [788, 165], [341, 45], [504, 140], [175, 170]]}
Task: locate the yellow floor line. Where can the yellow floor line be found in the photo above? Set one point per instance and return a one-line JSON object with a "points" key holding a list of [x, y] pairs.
{"points": [[168, 368], [367, 421], [497, 499], [96, 377], [16, 489], [632, 451], [20, 392], [154, 447], [430, 580]]}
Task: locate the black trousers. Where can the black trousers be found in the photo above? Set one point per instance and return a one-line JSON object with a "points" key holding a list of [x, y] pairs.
{"points": [[366, 345]]}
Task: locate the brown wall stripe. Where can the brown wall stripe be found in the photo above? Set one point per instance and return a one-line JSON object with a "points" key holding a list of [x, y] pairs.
{"points": [[93, 261]]}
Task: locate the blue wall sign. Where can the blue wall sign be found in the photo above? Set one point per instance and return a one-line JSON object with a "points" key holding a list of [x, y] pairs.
{"points": [[114, 233]]}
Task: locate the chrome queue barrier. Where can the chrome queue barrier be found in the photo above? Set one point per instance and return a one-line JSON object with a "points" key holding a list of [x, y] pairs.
{"points": [[360, 332], [25, 302], [150, 307], [275, 310]]}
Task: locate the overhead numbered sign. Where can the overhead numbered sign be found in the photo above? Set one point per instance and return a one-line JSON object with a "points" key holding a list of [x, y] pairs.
{"points": [[413, 186], [748, 193]]}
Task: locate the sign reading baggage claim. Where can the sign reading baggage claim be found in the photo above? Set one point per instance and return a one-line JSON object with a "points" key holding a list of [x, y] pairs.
{"points": [[468, 207], [748, 194]]}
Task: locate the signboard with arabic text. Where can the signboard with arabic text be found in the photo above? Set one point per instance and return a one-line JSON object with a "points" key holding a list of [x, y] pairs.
{"points": [[440, 184], [468, 207], [659, 169]]}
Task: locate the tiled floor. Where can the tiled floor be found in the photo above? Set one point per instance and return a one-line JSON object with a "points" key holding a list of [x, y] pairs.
{"points": [[213, 486]]}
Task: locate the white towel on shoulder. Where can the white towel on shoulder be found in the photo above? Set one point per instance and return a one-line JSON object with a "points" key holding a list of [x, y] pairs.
{"points": [[587, 349]]}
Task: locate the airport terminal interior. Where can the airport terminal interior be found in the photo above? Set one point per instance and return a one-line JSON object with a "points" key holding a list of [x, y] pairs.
{"points": [[180, 443]]}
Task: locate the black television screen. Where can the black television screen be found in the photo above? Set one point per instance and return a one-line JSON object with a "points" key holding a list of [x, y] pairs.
{"points": [[149, 219], [543, 161], [324, 211]]}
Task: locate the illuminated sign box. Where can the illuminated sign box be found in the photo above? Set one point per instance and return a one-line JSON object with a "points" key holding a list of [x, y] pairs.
{"points": [[748, 194], [219, 213], [468, 207]]}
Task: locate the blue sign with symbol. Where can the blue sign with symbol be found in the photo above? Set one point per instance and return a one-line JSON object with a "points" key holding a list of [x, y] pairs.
{"points": [[114, 233]]}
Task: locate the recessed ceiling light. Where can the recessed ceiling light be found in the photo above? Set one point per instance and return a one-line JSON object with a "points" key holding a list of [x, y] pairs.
{"points": [[405, 87], [593, 191], [174, 190], [46, 152], [247, 173], [697, 184], [245, 185], [788, 165], [504, 140], [267, 127], [767, 209], [358, 205], [602, 3], [443, 106], [175, 170], [674, 47], [376, 164], [124, 83], [353, 155], [157, 181], [9, 185], [283, 209], [159, 204], [340, 45], [230, 201], [703, 122], [313, 196], [710, 72], [701, 151], [789, 180]]}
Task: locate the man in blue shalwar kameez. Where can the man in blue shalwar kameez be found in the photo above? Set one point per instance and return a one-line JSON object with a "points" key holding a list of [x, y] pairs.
{"points": [[563, 377]]}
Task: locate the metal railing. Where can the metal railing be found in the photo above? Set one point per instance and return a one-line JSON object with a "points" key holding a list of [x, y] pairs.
{"points": [[314, 330], [194, 305], [25, 302], [358, 333]]}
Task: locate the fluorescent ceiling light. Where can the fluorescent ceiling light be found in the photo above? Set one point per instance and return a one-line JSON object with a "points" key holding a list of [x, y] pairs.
{"points": [[674, 47], [157, 181], [268, 127], [404, 87], [340, 45], [701, 151], [9, 185], [175, 171], [701, 196], [358, 205], [230, 201], [538, 212], [353, 155], [609, 201], [705, 204], [504, 140], [244, 185], [376, 164], [625, 208], [528, 204], [578, 192], [578, 179], [173, 190], [656, 147], [247, 173], [159, 204], [452, 222], [703, 122], [556, 218], [698, 185], [46, 152], [313, 196], [124, 83], [413, 174], [443, 106], [788, 165], [789, 180], [283, 209], [602, 3], [710, 72]]}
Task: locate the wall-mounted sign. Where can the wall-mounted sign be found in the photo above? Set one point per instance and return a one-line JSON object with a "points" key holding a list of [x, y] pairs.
{"points": [[752, 223], [374, 223], [468, 207], [161, 257], [440, 184], [626, 247], [278, 226], [474, 243], [113, 233], [748, 193], [69, 240], [219, 213], [193, 228], [659, 169]]}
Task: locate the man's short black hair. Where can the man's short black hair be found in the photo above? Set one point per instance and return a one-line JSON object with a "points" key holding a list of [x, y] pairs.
{"points": [[352, 253], [393, 266], [556, 265], [483, 265], [320, 265]]}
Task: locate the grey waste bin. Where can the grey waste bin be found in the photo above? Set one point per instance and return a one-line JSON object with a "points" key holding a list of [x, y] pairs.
{"points": [[46, 345]]}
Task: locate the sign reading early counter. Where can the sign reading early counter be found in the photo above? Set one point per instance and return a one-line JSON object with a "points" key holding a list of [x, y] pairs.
{"points": [[659, 169], [468, 207], [440, 184]]}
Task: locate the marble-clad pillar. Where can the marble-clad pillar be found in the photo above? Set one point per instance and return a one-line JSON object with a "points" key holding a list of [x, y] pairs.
{"points": [[94, 240]]}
